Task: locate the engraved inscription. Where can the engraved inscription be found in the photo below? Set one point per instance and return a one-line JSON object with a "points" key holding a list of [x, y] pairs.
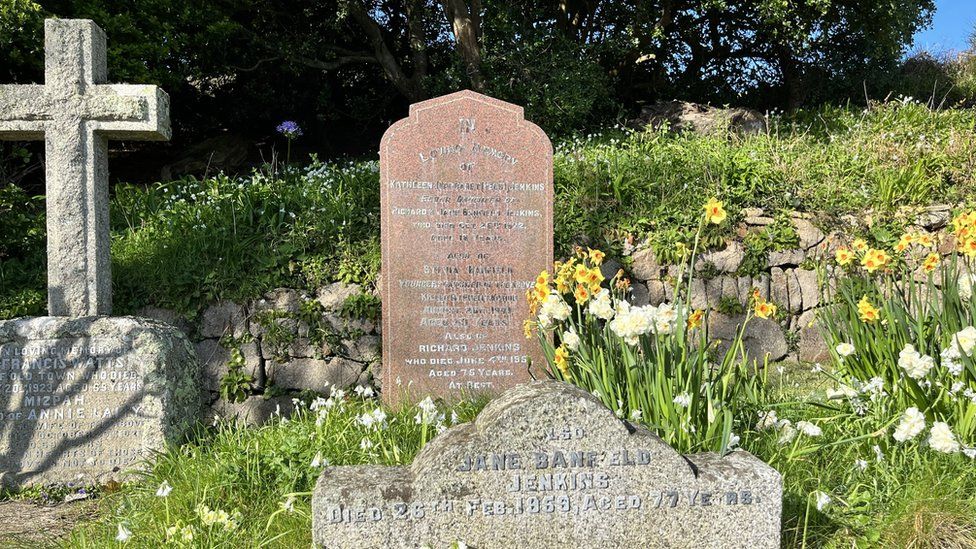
{"points": [[70, 404]]}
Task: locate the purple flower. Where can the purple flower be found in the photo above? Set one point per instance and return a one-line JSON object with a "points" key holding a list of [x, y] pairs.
{"points": [[290, 129]]}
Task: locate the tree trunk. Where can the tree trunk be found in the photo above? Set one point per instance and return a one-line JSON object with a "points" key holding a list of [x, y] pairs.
{"points": [[465, 23], [411, 88]]}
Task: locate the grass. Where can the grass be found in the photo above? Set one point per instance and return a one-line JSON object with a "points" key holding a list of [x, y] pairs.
{"points": [[185, 243], [261, 477]]}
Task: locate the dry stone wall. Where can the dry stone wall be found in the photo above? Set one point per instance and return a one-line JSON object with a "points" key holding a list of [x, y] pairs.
{"points": [[279, 346]]}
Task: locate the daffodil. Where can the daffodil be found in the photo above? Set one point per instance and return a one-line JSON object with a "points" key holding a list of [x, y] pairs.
{"points": [[931, 262], [582, 294], [874, 260], [561, 360], [715, 211], [843, 256], [695, 319], [867, 311], [859, 245], [762, 308], [596, 256]]}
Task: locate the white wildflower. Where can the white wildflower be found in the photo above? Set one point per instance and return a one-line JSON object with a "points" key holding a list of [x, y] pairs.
{"points": [[969, 452], [844, 349], [683, 400], [635, 415], [878, 454], [915, 364], [809, 429], [861, 464], [733, 440], [554, 308], [767, 420], [164, 490], [571, 339], [123, 534], [950, 359], [289, 504], [841, 392], [965, 340], [600, 305], [822, 500], [365, 444], [966, 287], [941, 438], [787, 432], [912, 423], [319, 461]]}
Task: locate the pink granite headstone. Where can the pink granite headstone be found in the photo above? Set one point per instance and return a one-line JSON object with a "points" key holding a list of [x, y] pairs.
{"points": [[466, 205]]}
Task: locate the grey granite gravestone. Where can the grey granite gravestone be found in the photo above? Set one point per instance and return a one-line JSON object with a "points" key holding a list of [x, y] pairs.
{"points": [[88, 398], [547, 465], [85, 398], [76, 113]]}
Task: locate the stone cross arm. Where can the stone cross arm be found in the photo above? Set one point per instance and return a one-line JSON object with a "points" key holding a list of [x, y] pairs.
{"points": [[76, 112], [115, 111]]}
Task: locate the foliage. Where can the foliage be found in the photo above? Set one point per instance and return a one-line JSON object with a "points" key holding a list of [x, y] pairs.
{"points": [[22, 253], [653, 365], [344, 68], [184, 243]]}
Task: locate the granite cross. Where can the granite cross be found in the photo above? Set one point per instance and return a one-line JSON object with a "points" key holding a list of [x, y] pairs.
{"points": [[76, 113]]}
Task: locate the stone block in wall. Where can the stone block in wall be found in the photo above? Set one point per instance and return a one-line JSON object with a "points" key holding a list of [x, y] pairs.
{"points": [[762, 284], [730, 288], [644, 265], [793, 289], [254, 411], [759, 220], [283, 300], [699, 297], [727, 260], [224, 318], [332, 297], [762, 337], [743, 289], [639, 294], [343, 325], [779, 287], [657, 291], [808, 233], [214, 358], [812, 347], [300, 347], [363, 349], [312, 374], [713, 292], [784, 258], [934, 217], [169, 317], [809, 288], [609, 269]]}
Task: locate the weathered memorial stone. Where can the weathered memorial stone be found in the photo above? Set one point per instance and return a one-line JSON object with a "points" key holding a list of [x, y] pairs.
{"points": [[546, 465], [85, 396], [90, 397], [466, 197], [76, 113]]}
